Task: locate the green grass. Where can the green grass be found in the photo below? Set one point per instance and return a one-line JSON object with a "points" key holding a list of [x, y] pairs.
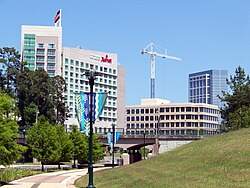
{"points": [[221, 161], [10, 174]]}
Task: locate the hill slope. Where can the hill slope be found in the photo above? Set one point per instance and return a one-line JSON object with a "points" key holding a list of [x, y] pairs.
{"points": [[218, 161]]}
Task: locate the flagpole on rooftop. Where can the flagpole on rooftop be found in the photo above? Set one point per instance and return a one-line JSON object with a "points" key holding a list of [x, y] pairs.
{"points": [[60, 21]]}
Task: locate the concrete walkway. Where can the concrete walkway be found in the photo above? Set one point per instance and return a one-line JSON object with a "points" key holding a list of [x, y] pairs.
{"points": [[62, 179]]}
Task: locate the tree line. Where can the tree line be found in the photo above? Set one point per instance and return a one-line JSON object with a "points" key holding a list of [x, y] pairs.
{"points": [[33, 102]]}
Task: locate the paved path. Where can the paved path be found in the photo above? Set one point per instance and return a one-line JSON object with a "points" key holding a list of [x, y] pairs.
{"points": [[62, 179]]}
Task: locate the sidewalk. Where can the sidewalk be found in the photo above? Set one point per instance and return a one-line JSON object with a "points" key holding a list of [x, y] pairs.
{"points": [[62, 179]]}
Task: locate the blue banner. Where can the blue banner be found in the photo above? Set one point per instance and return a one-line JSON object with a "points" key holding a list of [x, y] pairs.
{"points": [[83, 108], [110, 138]]}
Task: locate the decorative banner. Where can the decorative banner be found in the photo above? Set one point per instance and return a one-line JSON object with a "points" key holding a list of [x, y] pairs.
{"points": [[110, 138], [83, 108]]}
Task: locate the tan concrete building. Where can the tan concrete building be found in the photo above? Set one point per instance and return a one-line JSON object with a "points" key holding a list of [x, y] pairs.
{"points": [[41, 47], [158, 116]]}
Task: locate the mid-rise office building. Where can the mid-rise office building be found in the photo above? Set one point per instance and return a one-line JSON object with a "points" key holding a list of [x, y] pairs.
{"points": [[41, 47], [205, 86], [158, 116], [76, 62]]}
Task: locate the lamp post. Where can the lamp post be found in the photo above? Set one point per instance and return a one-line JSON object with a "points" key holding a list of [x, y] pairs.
{"points": [[113, 145], [24, 131], [91, 74], [157, 130], [144, 137]]}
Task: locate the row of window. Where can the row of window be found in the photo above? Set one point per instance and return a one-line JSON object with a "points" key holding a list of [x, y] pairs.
{"points": [[105, 81], [171, 109], [173, 124], [199, 91], [199, 83], [111, 93], [49, 66], [50, 46], [193, 132], [50, 59], [50, 52], [172, 117], [89, 66]]}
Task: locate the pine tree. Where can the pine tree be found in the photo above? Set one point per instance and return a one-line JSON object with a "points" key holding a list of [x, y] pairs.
{"points": [[237, 110]]}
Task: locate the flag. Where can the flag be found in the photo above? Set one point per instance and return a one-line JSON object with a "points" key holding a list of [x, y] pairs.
{"points": [[110, 138], [82, 101], [57, 16]]}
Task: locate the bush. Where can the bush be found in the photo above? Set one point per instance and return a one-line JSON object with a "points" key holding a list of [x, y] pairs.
{"points": [[10, 174]]}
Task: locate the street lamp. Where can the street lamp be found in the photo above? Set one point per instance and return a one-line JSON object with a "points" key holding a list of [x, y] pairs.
{"points": [[91, 74], [144, 137], [24, 131], [157, 130], [113, 145]]}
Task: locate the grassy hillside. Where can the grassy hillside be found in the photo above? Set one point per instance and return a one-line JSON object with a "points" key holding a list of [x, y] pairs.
{"points": [[218, 161]]}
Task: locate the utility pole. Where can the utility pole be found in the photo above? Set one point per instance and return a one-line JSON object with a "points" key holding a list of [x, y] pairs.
{"points": [[150, 49]]}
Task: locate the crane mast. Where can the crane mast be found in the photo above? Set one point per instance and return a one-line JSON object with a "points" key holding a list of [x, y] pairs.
{"points": [[150, 49]]}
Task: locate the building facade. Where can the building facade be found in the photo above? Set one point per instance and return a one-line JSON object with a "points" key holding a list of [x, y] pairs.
{"points": [[205, 86], [41, 47], [158, 116], [75, 62]]}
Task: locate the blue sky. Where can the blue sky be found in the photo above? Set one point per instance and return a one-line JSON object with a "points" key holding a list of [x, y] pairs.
{"points": [[205, 34]]}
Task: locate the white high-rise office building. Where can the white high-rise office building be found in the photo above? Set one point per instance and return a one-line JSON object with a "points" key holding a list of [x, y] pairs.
{"points": [[112, 81]]}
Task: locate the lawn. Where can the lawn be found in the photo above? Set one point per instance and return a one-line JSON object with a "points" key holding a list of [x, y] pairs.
{"points": [[217, 161]]}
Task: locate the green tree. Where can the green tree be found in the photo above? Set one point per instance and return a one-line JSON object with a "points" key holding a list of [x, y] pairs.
{"points": [[30, 114], [41, 94], [97, 148], [80, 151], [235, 114], [59, 86], [43, 91], [24, 95], [9, 149], [66, 145], [43, 141], [10, 65]]}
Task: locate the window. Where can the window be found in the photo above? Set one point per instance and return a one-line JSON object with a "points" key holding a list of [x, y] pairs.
{"points": [[38, 52], [51, 59], [66, 61], [51, 52], [51, 73], [40, 45], [40, 59], [51, 66], [51, 46]]}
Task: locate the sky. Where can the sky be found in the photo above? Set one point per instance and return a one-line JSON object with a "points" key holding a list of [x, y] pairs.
{"points": [[205, 34]]}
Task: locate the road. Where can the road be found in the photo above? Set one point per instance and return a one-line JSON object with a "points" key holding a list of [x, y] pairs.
{"points": [[62, 179]]}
